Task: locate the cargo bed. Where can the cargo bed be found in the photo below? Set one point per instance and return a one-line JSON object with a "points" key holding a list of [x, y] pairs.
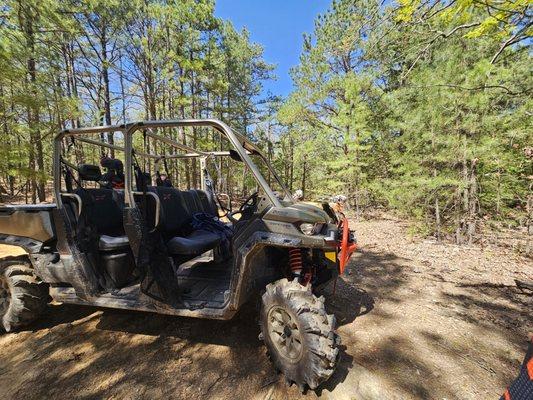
{"points": [[27, 225]]}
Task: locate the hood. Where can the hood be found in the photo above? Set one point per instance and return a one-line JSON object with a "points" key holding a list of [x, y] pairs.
{"points": [[296, 212]]}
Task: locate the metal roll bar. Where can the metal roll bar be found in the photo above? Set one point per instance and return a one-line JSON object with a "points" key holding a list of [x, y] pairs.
{"points": [[220, 126], [78, 200], [112, 146], [157, 205], [194, 155], [241, 144], [173, 143], [56, 172]]}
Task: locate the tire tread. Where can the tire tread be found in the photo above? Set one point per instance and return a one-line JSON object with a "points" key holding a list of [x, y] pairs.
{"points": [[317, 326], [29, 296]]}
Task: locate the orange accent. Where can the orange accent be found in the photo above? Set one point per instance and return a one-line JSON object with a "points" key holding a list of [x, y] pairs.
{"points": [[529, 367], [507, 395], [346, 249], [295, 259]]}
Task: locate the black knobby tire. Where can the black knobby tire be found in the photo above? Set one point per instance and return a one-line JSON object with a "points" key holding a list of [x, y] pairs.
{"points": [[25, 297], [313, 354]]}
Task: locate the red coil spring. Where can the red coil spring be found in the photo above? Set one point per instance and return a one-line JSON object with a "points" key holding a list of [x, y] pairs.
{"points": [[295, 260]]}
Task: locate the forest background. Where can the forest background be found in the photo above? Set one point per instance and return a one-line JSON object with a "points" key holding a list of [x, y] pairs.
{"points": [[419, 107]]}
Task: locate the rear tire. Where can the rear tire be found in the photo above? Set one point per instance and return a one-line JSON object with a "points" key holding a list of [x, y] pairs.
{"points": [[298, 333], [23, 298]]}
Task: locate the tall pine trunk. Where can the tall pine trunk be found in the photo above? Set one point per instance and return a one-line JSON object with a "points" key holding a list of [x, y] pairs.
{"points": [[105, 78], [36, 163]]}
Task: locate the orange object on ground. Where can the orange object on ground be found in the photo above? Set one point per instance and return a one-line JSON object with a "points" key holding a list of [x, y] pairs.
{"points": [[522, 387], [346, 248]]}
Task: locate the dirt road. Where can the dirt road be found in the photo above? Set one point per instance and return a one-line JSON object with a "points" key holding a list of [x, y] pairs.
{"points": [[418, 320]]}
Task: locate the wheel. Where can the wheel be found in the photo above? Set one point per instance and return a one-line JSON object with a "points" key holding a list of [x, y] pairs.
{"points": [[23, 298], [298, 333]]}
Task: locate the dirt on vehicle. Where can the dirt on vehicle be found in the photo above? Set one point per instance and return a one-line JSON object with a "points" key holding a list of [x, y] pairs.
{"points": [[418, 320]]}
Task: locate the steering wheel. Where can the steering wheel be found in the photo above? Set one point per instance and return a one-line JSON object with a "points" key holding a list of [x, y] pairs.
{"points": [[250, 202]]}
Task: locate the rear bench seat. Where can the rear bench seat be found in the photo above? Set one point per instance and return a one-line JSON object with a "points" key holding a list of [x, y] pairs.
{"points": [[103, 207], [177, 210]]}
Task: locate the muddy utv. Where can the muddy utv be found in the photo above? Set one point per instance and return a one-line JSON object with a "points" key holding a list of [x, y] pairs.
{"points": [[131, 239]]}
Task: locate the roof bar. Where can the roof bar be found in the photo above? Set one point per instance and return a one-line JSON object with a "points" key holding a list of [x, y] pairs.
{"points": [[92, 129], [173, 143], [112, 146], [245, 142], [241, 144], [157, 156], [238, 143], [195, 154]]}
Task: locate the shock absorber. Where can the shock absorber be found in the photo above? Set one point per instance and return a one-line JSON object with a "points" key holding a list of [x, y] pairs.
{"points": [[295, 262]]}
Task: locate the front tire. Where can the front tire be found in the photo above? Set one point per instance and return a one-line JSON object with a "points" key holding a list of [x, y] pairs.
{"points": [[298, 333], [23, 298]]}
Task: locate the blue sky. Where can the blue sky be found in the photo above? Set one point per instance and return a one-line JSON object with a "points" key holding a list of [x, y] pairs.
{"points": [[279, 26]]}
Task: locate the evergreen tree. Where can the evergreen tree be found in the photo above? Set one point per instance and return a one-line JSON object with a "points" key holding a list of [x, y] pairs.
{"points": [[422, 107]]}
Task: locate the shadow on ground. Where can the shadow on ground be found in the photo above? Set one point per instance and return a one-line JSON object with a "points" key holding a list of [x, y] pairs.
{"points": [[370, 277], [58, 314], [417, 326], [379, 304], [135, 355]]}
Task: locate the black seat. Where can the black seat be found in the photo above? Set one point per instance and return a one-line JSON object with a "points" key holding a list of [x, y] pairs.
{"points": [[177, 211], [102, 231], [208, 203], [196, 243], [103, 209], [105, 213], [110, 243]]}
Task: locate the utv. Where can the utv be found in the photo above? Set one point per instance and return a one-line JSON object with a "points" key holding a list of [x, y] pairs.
{"points": [[118, 241]]}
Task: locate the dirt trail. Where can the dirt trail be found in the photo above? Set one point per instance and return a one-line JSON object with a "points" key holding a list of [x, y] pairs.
{"points": [[419, 320]]}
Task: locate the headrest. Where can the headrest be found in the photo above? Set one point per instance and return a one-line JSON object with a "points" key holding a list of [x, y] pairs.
{"points": [[89, 172], [112, 164]]}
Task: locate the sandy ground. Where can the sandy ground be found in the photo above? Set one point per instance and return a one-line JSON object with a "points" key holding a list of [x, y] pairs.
{"points": [[418, 320]]}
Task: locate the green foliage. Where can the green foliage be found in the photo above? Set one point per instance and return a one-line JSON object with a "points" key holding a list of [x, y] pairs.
{"points": [[421, 107], [70, 64]]}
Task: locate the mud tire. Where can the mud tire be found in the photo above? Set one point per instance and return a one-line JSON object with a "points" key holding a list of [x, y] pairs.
{"points": [[27, 296], [318, 351]]}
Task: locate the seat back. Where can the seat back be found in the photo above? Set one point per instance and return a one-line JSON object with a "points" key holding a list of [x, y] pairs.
{"points": [[175, 217], [208, 203], [178, 208], [104, 210], [192, 202], [102, 206]]}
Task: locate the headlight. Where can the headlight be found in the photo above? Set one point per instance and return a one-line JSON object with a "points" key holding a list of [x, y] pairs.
{"points": [[307, 229], [310, 229]]}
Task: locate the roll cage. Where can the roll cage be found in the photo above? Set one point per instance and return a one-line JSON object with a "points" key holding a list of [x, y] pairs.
{"points": [[243, 146]]}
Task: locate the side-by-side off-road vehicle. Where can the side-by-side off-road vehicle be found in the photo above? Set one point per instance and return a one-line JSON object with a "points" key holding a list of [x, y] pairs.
{"points": [[119, 240]]}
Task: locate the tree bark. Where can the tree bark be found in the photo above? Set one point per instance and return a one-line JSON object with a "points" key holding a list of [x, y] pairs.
{"points": [[105, 78], [36, 162], [304, 176]]}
